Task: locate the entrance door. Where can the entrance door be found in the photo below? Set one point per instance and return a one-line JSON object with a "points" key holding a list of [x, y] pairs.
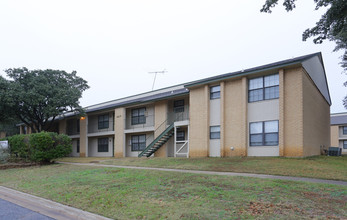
{"points": [[214, 148]]}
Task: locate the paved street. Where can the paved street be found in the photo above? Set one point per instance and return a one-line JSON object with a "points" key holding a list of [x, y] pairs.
{"points": [[13, 201], [9, 211]]}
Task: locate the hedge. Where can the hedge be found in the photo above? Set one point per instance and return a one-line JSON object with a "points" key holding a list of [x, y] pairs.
{"points": [[40, 147]]}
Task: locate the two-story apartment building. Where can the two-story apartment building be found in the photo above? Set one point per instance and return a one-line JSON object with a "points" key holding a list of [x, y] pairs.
{"points": [[278, 109], [338, 131]]}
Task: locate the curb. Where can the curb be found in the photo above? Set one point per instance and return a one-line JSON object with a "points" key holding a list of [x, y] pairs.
{"points": [[46, 207]]}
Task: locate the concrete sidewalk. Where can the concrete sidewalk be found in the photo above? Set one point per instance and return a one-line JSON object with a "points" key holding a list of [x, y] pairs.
{"points": [[263, 176], [45, 207]]}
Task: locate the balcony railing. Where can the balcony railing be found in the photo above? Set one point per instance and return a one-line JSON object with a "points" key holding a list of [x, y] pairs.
{"points": [[179, 116], [72, 132], [95, 127], [139, 122]]}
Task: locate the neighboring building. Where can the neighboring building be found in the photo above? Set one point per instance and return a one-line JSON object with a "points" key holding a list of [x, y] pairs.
{"points": [[338, 131], [279, 109]]}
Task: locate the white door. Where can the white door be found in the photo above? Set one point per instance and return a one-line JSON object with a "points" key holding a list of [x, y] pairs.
{"points": [[215, 148]]}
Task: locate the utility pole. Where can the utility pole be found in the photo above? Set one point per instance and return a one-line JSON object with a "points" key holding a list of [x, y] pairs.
{"points": [[155, 76]]}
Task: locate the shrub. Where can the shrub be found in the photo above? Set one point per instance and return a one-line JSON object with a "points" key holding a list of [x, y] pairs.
{"points": [[19, 146], [40, 147]]}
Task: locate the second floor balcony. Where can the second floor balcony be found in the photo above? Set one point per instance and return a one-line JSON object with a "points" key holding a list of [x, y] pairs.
{"points": [[139, 122], [101, 123]]}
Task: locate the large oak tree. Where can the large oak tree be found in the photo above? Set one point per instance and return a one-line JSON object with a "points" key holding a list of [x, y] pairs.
{"points": [[332, 25], [37, 97]]}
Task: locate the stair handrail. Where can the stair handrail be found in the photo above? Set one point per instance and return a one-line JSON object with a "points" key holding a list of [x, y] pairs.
{"points": [[156, 140], [163, 123]]}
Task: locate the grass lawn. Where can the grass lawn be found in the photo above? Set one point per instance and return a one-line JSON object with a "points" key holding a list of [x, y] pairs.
{"points": [[138, 194], [334, 168]]}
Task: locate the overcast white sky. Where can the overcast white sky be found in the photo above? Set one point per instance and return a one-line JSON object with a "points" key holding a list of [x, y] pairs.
{"points": [[114, 44]]}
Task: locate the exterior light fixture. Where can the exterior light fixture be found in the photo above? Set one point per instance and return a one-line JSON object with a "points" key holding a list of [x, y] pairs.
{"points": [[82, 118]]}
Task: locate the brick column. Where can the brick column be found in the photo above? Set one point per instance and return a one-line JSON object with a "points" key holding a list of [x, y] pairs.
{"points": [[83, 137], [119, 136]]}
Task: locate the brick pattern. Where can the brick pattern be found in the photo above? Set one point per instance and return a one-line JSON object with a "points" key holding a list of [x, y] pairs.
{"points": [[199, 122], [235, 122], [334, 132], [160, 112], [281, 114], [62, 126], [316, 118], [83, 138], [119, 125]]}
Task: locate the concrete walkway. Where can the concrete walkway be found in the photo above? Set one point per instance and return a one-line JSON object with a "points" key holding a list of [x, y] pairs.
{"points": [[263, 176], [43, 207]]}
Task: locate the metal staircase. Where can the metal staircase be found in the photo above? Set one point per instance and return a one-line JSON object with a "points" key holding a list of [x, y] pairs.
{"points": [[158, 142]]}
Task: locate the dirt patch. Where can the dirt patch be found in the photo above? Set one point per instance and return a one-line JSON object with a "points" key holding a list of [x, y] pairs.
{"points": [[261, 208], [16, 165]]}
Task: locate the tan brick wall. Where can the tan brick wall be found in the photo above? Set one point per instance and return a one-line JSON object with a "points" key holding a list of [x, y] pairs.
{"points": [[281, 113], [316, 119], [235, 122], [62, 126], [160, 113], [293, 113], [119, 137], [83, 137], [2, 134], [199, 122], [223, 146], [334, 132]]}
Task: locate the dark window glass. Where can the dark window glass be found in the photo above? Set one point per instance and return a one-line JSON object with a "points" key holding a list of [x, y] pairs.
{"points": [[263, 133], [272, 92], [78, 125], [255, 95], [215, 92], [344, 144], [102, 121], [138, 116], [102, 144], [179, 106], [271, 139], [256, 139], [344, 129], [214, 132], [78, 146], [263, 88], [138, 142], [180, 136]]}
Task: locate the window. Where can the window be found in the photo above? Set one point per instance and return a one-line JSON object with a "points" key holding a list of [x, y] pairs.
{"points": [[78, 146], [263, 133], [344, 144], [215, 92], [178, 106], [138, 116], [214, 132], [103, 121], [344, 129], [180, 136], [263, 88], [102, 144], [138, 142]]}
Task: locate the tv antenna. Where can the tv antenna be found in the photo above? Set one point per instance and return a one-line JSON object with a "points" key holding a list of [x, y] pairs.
{"points": [[155, 76]]}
